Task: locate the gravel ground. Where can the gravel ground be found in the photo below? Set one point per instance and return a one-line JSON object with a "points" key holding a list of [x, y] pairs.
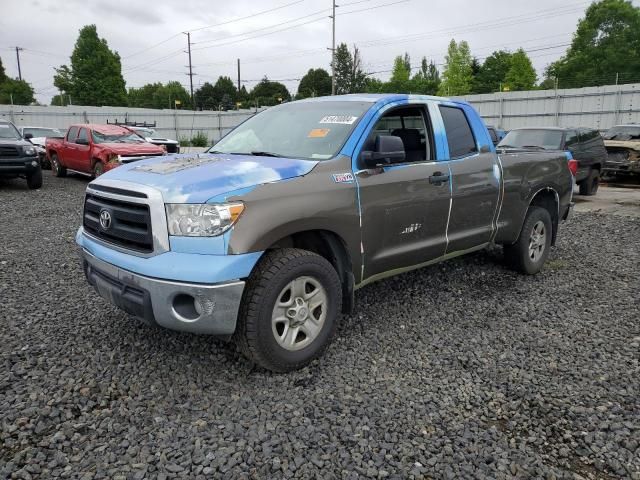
{"points": [[460, 370]]}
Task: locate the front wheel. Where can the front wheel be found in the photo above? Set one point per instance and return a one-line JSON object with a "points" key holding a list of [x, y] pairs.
{"points": [[57, 169], [531, 249], [98, 169], [34, 179], [290, 310]]}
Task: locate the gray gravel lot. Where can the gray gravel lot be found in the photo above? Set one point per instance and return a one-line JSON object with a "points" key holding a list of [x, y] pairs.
{"points": [[460, 370]]}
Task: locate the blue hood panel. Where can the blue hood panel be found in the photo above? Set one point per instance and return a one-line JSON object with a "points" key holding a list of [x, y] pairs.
{"points": [[196, 178]]}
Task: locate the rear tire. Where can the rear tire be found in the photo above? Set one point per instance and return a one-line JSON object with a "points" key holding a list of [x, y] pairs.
{"points": [[34, 179], [290, 310], [531, 249], [57, 169], [589, 186]]}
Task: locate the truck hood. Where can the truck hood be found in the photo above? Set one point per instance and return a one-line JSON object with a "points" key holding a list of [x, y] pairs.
{"points": [[198, 178], [132, 148]]}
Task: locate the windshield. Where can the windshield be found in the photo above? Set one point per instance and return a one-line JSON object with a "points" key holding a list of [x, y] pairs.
{"points": [[623, 132], [7, 130], [305, 130], [533, 138], [145, 132], [125, 137], [44, 132]]}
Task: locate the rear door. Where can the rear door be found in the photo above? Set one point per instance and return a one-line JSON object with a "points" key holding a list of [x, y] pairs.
{"points": [[403, 210], [475, 183]]}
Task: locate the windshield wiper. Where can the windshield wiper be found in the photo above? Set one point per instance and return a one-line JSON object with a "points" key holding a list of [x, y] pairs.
{"points": [[534, 146], [265, 154], [505, 146]]}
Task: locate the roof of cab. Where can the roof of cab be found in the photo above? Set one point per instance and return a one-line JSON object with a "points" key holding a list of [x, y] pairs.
{"points": [[379, 98]]}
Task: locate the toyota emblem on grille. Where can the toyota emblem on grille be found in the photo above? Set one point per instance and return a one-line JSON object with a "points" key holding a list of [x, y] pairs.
{"points": [[105, 219]]}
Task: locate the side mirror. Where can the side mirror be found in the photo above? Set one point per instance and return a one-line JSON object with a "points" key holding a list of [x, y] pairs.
{"points": [[82, 141], [28, 136], [388, 149]]}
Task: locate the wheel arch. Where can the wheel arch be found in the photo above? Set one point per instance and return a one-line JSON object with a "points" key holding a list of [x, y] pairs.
{"points": [[549, 199], [333, 248]]}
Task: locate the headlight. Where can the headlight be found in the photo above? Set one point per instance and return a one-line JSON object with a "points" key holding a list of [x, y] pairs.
{"points": [[201, 220], [29, 151]]}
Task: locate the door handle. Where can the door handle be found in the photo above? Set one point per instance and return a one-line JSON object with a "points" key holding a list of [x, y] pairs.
{"points": [[438, 178]]}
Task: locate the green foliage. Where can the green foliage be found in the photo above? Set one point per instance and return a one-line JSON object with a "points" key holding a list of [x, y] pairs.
{"points": [[185, 142], [15, 91], [199, 140], [60, 100], [315, 83], [350, 78], [607, 41], [427, 80], [521, 74], [95, 75], [268, 93], [492, 72], [458, 73], [222, 95], [157, 95], [3, 75]]}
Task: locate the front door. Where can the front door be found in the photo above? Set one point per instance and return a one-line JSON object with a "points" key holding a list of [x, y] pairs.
{"points": [[404, 207], [475, 184], [81, 161]]}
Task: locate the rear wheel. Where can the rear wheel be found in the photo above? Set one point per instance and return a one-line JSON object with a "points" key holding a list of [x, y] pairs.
{"points": [[57, 169], [589, 186], [34, 179], [531, 249], [290, 310]]}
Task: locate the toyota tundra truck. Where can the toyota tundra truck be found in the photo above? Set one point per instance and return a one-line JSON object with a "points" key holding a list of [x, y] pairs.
{"points": [[94, 149], [265, 239]]}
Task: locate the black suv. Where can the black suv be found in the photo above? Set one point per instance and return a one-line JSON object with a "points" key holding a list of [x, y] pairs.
{"points": [[18, 157], [585, 144]]}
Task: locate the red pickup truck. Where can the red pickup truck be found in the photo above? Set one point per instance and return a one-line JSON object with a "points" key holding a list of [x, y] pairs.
{"points": [[95, 149]]}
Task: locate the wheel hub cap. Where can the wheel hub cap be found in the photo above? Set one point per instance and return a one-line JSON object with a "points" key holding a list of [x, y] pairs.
{"points": [[537, 241], [299, 313]]}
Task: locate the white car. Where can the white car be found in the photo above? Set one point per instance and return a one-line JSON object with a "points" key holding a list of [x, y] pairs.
{"points": [[38, 137], [150, 136]]}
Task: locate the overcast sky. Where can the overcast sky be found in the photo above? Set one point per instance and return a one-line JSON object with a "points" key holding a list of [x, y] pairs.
{"points": [[283, 43]]}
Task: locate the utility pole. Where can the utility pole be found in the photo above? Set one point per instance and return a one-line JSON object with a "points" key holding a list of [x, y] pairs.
{"points": [[238, 76], [188, 34], [18, 57], [333, 48]]}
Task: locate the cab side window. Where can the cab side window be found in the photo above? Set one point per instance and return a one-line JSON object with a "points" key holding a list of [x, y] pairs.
{"points": [[410, 124], [459, 134], [73, 133], [82, 135]]}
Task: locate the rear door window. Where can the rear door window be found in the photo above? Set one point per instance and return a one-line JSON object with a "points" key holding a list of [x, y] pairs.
{"points": [[459, 134], [73, 133]]}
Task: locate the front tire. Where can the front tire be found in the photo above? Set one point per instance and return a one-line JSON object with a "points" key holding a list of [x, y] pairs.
{"points": [[531, 249], [290, 310], [34, 179], [57, 169], [98, 169], [589, 186]]}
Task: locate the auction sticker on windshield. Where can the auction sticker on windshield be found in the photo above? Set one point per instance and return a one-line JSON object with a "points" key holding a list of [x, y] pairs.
{"points": [[339, 119]]}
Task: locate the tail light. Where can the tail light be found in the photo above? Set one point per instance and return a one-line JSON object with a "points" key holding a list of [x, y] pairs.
{"points": [[573, 166]]}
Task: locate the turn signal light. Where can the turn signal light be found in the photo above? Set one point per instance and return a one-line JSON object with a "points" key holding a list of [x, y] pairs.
{"points": [[573, 166]]}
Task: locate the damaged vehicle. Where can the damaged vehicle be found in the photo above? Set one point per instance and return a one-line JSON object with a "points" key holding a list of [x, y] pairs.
{"points": [[266, 238], [623, 146]]}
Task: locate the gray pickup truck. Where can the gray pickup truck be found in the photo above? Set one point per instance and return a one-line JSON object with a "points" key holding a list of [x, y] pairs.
{"points": [[265, 238]]}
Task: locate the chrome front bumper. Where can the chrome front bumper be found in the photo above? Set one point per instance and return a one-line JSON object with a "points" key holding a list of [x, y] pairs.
{"points": [[189, 307]]}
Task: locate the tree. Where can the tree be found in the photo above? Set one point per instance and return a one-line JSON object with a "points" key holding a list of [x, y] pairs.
{"points": [[350, 78], [492, 73], [427, 80], [315, 83], [269, 93], [206, 97], [3, 75], [521, 74], [145, 96], [458, 75], [606, 42], [400, 76], [95, 75], [60, 100], [15, 91]]}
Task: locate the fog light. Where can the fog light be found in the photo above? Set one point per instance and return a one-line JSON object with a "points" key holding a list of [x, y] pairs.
{"points": [[34, 163], [187, 307]]}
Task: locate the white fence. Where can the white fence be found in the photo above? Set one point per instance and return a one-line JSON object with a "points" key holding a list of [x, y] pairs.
{"points": [[595, 107], [176, 124]]}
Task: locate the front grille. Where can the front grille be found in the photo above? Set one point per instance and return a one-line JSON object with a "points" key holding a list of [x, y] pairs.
{"points": [[130, 222], [9, 151]]}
